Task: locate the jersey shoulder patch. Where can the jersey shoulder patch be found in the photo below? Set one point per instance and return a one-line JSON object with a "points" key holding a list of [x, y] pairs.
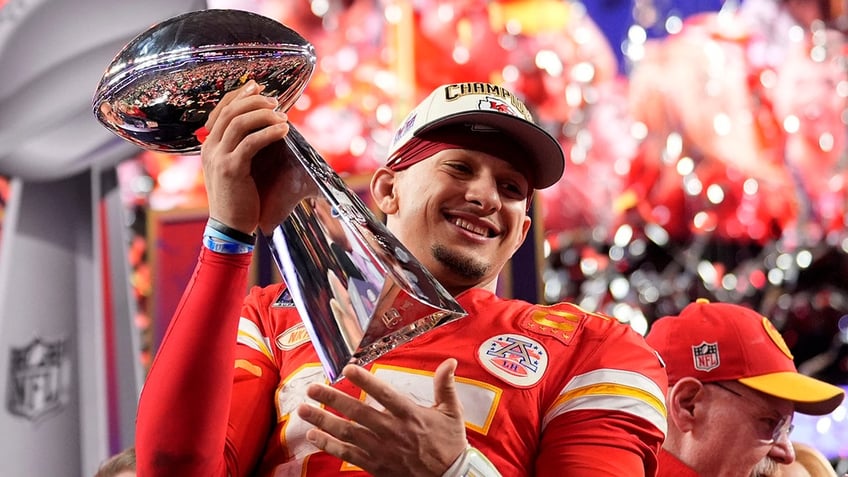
{"points": [[292, 337], [562, 321], [515, 359]]}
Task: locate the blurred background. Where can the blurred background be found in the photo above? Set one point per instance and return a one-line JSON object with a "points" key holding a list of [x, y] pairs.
{"points": [[705, 142]]}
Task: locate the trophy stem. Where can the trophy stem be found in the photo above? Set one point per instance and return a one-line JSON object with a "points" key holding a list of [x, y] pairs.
{"points": [[359, 291]]}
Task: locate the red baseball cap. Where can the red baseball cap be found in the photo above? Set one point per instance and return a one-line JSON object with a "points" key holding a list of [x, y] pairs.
{"points": [[725, 342]]}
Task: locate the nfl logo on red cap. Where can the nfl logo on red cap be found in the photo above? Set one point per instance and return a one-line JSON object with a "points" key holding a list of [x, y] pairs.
{"points": [[705, 356]]}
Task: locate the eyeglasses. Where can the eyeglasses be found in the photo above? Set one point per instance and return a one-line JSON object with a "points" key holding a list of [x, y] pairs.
{"points": [[781, 427]]}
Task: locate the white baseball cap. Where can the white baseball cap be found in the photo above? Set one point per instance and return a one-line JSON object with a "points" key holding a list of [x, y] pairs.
{"points": [[485, 107]]}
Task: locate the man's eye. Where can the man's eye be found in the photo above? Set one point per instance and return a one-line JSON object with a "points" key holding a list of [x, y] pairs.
{"points": [[772, 423], [458, 166], [514, 190]]}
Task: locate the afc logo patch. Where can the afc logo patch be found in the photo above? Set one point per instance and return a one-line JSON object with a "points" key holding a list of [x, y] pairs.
{"points": [[705, 356], [515, 359], [39, 379]]}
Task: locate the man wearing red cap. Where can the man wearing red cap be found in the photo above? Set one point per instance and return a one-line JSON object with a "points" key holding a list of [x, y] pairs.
{"points": [[511, 389], [733, 389]]}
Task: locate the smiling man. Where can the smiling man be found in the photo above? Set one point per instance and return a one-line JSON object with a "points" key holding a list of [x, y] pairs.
{"points": [[511, 389]]}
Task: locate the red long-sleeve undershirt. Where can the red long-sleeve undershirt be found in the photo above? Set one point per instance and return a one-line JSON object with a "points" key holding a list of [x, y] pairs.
{"points": [[182, 414]]}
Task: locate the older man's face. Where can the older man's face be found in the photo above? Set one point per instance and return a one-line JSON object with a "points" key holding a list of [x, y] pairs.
{"points": [[748, 429]]}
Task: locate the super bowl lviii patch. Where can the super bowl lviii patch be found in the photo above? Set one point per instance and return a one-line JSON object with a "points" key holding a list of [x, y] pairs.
{"points": [[515, 359]]}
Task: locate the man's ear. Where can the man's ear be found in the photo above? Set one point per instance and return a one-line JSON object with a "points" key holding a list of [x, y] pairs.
{"points": [[683, 400], [383, 190], [525, 227]]}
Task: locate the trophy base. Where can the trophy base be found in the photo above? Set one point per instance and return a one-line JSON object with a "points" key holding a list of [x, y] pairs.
{"points": [[369, 353]]}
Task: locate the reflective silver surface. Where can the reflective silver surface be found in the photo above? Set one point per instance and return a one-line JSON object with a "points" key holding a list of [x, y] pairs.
{"points": [[359, 291], [363, 291], [162, 86]]}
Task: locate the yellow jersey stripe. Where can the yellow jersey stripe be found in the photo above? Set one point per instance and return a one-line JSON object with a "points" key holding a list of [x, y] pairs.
{"points": [[249, 367], [612, 389], [598, 402], [616, 376]]}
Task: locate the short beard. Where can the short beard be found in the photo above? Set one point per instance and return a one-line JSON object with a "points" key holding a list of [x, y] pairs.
{"points": [[767, 467], [460, 264]]}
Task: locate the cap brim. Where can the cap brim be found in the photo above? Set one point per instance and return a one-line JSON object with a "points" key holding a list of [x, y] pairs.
{"points": [[547, 158], [811, 396]]}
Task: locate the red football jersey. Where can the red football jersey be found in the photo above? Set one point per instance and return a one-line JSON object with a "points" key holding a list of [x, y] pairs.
{"points": [[545, 390]]}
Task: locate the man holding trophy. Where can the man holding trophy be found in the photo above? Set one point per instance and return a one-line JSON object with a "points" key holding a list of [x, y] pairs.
{"points": [[511, 389]]}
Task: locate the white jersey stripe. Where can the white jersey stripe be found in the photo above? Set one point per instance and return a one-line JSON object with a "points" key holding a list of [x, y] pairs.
{"points": [[612, 389], [249, 335], [625, 404], [615, 376]]}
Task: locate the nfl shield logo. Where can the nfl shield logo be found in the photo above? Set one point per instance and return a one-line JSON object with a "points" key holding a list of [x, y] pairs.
{"points": [[705, 356], [39, 379]]}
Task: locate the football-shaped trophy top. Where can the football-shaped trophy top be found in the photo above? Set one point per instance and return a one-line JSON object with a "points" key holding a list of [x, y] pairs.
{"points": [[161, 87]]}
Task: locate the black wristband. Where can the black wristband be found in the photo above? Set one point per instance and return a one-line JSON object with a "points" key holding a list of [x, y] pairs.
{"points": [[234, 234]]}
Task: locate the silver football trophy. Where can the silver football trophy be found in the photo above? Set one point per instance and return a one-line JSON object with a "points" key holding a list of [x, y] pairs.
{"points": [[359, 291]]}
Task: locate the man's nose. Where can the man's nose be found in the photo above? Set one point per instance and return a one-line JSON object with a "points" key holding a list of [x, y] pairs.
{"points": [[483, 190], [782, 450]]}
